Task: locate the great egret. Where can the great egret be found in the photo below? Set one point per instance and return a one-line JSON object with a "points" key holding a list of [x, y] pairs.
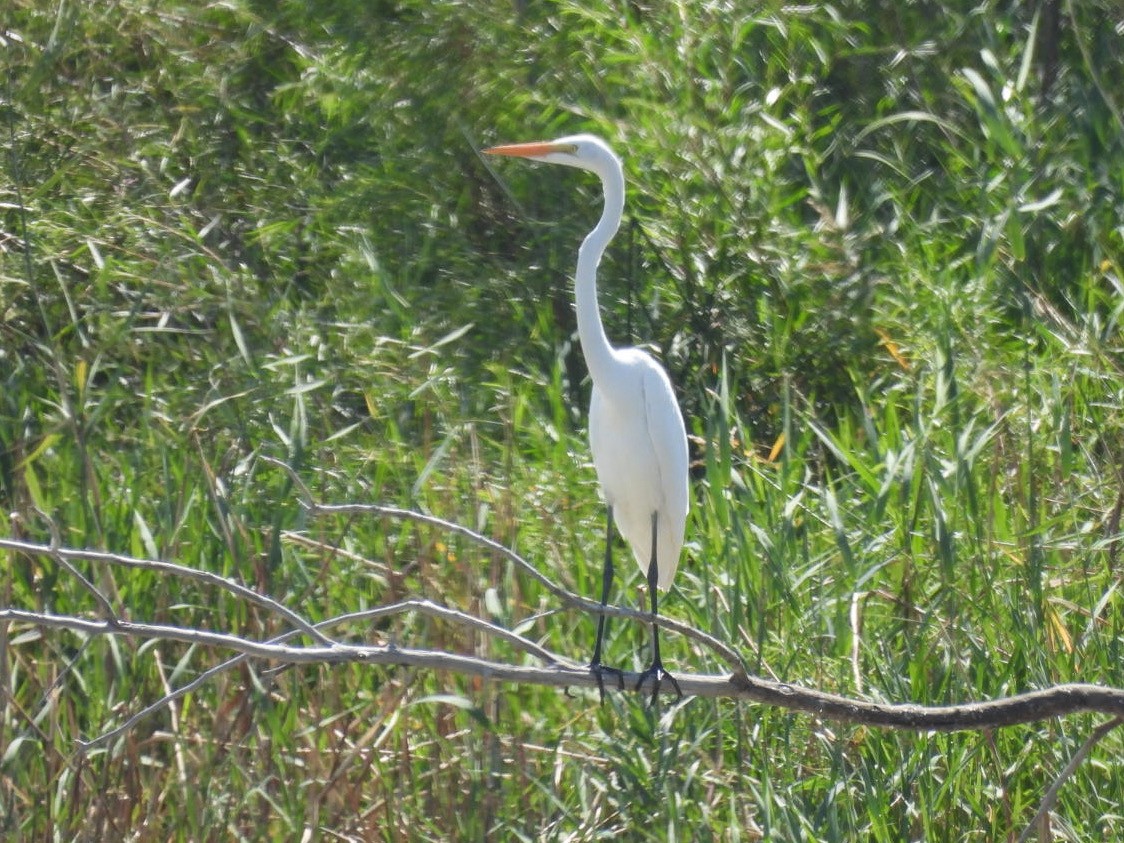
{"points": [[636, 431]]}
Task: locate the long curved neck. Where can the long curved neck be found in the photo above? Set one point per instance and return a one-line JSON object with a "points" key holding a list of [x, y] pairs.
{"points": [[595, 345]]}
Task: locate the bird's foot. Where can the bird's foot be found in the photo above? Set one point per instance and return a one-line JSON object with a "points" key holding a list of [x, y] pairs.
{"points": [[599, 670], [657, 674]]}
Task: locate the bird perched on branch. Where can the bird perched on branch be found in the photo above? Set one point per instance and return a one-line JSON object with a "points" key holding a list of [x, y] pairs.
{"points": [[636, 431]]}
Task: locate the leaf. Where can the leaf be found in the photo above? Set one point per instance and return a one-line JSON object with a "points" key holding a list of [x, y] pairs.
{"points": [[1015, 237], [980, 86], [45, 443], [906, 117], [892, 348], [179, 187], [1057, 630], [13, 749], [995, 122], [1047, 201], [95, 253], [1028, 52], [454, 700], [452, 336], [147, 541], [778, 446], [305, 387], [81, 370], [239, 339], [31, 480], [492, 603]]}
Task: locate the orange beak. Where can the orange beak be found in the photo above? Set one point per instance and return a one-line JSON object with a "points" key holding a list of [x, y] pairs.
{"points": [[527, 150]]}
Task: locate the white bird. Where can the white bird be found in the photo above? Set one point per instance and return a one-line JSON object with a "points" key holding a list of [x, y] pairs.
{"points": [[636, 431]]}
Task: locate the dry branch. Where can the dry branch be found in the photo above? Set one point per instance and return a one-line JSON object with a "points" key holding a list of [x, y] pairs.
{"points": [[63, 554], [723, 650], [1027, 707], [553, 670]]}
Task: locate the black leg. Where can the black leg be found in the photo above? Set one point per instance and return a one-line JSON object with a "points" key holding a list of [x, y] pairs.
{"points": [[595, 666], [656, 671]]}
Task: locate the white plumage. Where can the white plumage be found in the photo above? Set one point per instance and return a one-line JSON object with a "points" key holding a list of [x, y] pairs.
{"points": [[640, 452], [636, 431]]}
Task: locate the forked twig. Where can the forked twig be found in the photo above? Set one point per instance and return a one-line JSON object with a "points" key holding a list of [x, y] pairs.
{"points": [[235, 588], [423, 606], [730, 656], [107, 610], [727, 653]]}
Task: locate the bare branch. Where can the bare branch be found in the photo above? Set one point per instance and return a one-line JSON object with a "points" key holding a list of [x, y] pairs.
{"points": [[164, 632], [106, 607], [730, 656], [554, 670], [420, 605], [428, 607], [207, 577], [1028, 707]]}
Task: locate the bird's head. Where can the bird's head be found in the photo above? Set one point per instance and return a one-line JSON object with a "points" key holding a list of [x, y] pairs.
{"points": [[586, 152]]}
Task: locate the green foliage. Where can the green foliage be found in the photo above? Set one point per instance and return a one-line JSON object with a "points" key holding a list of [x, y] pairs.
{"points": [[878, 246]]}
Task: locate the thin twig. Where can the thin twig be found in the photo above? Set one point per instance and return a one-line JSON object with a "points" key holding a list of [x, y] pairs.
{"points": [[207, 577], [333, 550], [420, 605], [315, 508], [199, 681], [1051, 797], [428, 607], [54, 552], [730, 656]]}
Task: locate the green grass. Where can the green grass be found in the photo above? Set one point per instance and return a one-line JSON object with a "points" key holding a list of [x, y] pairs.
{"points": [[879, 251]]}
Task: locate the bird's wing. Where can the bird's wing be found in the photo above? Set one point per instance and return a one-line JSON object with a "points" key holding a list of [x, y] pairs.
{"points": [[669, 444]]}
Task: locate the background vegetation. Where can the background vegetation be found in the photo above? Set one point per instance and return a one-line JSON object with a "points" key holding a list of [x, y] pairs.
{"points": [[878, 245]]}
